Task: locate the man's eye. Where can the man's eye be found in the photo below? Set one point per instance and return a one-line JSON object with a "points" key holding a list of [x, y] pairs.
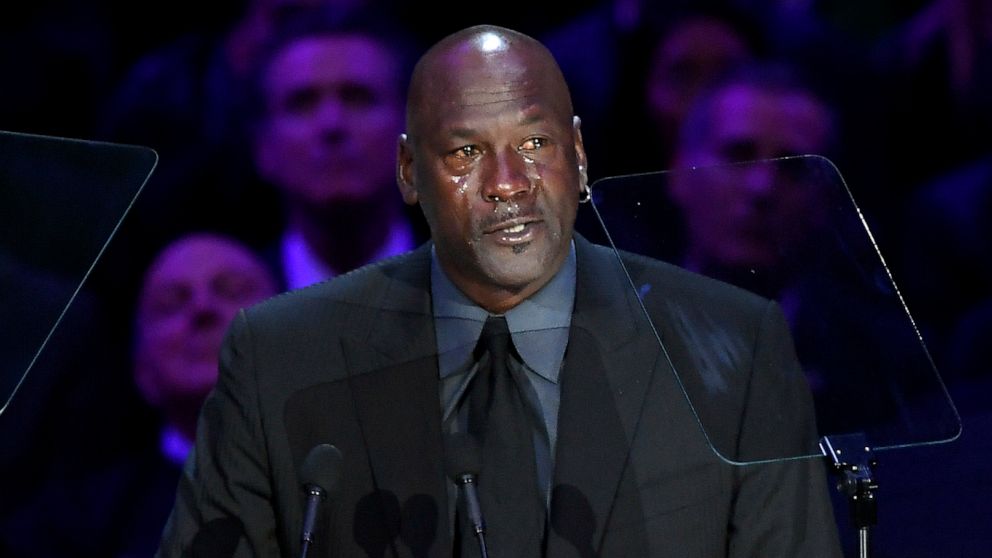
{"points": [[533, 144], [302, 101], [465, 152], [168, 300], [460, 159], [358, 96], [233, 286]]}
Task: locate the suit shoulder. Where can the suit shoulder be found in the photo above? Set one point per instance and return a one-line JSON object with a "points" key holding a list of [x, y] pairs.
{"points": [[370, 286]]}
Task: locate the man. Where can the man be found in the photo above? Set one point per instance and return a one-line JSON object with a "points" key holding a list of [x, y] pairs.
{"points": [[754, 217], [375, 363], [688, 55], [786, 229], [188, 298], [330, 102], [117, 505], [190, 294]]}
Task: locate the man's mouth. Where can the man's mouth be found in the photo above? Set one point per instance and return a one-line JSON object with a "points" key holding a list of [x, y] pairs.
{"points": [[514, 231]]}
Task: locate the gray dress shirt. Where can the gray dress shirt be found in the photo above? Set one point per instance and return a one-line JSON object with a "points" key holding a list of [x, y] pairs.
{"points": [[539, 329]]}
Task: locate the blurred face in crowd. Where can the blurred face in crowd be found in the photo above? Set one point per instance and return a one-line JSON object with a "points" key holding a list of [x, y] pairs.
{"points": [[495, 159], [694, 53], [190, 294], [334, 109], [749, 215], [259, 21]]}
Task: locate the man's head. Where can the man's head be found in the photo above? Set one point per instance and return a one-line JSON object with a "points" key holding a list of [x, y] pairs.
{"points": [[328, 109], [494, 157], [749, 216], [189, 295], [693, 53]]}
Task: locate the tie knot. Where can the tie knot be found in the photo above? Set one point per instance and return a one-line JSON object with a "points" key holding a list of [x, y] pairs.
{"points": [[495, 338]]}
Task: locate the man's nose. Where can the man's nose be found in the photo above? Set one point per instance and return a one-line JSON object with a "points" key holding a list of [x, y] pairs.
{"points": [[330, 116], [759, 179], [507, 178], [206, 311]]}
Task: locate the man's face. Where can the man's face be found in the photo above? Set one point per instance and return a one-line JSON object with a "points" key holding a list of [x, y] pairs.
{"points": [[750, 215], [495, 159], [190, 295], [685, 62], [333, 112]]}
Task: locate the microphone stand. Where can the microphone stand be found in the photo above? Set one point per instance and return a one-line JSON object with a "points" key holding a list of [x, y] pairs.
{"points": [[314, 495], [466, 481], [852, 460]]}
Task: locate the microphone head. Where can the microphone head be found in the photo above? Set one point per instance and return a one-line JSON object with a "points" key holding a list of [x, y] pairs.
{"points": [[322, 468], [462, 456]]}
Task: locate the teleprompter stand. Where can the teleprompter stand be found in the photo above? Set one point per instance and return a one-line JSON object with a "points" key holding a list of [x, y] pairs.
{"points": [[852, 461]]}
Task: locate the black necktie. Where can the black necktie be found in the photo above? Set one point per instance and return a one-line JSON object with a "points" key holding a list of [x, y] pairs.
{"points": [[499, 418]]}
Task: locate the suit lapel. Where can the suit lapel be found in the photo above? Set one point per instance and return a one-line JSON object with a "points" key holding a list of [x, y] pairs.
{"points": [[607, 371], [394, 381]]}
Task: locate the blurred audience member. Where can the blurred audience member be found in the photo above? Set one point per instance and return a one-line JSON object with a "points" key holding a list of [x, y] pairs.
{"points": [[246, 39], [690, 54], [787, 230], [634, 64], [757, 114], [188, 99], [832, 41], [330, 103], [603, 52], [190, 294]]}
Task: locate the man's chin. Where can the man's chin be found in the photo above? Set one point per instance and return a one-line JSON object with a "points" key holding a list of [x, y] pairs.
{"points": [[521, 270]]}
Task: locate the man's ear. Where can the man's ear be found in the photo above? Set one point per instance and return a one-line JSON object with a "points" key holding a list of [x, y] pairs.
{"points": [[404, 170], [580, 151]]}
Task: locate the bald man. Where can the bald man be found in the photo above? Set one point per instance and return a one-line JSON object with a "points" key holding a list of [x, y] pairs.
{"points": [[190, 294], [380, 363]]}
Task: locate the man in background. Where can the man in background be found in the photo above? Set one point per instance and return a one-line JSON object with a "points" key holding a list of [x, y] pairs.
{"points": [[329, 106]]}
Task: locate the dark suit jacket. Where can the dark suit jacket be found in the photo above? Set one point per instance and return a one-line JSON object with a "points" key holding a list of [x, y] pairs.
{"points": [[353, 362]]}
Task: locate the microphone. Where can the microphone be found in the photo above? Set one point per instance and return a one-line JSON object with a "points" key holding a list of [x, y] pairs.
{"points": [[463, 460], [320, 473]]}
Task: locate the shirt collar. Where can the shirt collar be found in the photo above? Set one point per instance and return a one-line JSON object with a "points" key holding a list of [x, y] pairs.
{"points": [[539, 325], [304, 267]]}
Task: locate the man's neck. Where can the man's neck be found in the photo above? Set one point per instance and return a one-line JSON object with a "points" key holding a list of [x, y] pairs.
{"points": [[349, 234]]}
